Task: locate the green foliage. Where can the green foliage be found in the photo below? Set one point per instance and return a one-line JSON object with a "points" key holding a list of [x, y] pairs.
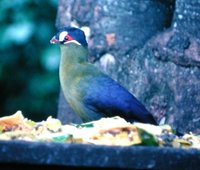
{"points": [[28, 62]]}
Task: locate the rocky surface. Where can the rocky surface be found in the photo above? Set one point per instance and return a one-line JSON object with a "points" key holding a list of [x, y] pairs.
{"points": [[150, 47], [176, 53], [38, 155]]}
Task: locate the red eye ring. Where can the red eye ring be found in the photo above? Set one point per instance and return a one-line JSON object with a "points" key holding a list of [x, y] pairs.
{"points": [[68, 38]]}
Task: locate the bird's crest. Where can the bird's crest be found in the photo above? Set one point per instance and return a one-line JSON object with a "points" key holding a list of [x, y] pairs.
{"points": [[70, 35]]}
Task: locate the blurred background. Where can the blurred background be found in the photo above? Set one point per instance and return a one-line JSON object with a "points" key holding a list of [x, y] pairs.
{"points": [[28, 62]]}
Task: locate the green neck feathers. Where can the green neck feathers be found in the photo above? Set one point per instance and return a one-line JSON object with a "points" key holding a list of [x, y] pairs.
{"points": [[73, 54], [73, 57]]}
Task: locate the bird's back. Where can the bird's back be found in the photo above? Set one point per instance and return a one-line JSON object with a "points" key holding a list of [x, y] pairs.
{"points": [[105, 96]]}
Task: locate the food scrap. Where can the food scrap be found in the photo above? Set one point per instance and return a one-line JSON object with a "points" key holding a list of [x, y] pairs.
{"points": [[105, 131]]}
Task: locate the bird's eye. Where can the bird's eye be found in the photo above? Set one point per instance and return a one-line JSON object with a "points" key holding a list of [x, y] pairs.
{"points": [[66, 38]]}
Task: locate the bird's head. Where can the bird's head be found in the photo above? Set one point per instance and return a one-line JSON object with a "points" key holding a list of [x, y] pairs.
{"points": [[68, 35]]}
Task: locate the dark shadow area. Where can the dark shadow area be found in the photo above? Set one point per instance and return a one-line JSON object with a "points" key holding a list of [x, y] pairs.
{"points": [[28, 63]]}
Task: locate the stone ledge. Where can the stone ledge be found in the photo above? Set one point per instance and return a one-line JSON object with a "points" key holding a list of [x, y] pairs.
{"points": [[30, 154]]}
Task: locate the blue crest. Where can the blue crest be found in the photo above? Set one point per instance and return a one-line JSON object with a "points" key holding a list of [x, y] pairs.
{"points": [[76, 33]]}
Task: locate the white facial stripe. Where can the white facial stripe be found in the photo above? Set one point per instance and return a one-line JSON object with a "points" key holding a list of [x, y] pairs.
{"points": [[62, 35], [72, 41]]}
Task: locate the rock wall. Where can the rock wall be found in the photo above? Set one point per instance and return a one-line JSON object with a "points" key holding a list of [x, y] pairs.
{"points": [[150, 47]]}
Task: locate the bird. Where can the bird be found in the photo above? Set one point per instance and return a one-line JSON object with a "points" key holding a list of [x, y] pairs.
{"points": [[90, 92]]}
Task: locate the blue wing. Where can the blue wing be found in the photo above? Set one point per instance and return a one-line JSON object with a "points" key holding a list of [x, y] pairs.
{"points": [[105, 96]]}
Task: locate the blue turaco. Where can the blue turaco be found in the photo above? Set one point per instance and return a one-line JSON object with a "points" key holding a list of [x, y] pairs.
{"points": [[91, 93]]}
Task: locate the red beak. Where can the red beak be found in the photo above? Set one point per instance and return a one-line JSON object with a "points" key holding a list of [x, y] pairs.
{"points": [[54, 40]]}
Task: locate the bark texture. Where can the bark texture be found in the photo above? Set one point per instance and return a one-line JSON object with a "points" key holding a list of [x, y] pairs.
{"points": [[151, 47]]}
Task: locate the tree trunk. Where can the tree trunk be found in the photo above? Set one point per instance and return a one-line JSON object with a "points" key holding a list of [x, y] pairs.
{"points": [[150, 47], [175, 61]]}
